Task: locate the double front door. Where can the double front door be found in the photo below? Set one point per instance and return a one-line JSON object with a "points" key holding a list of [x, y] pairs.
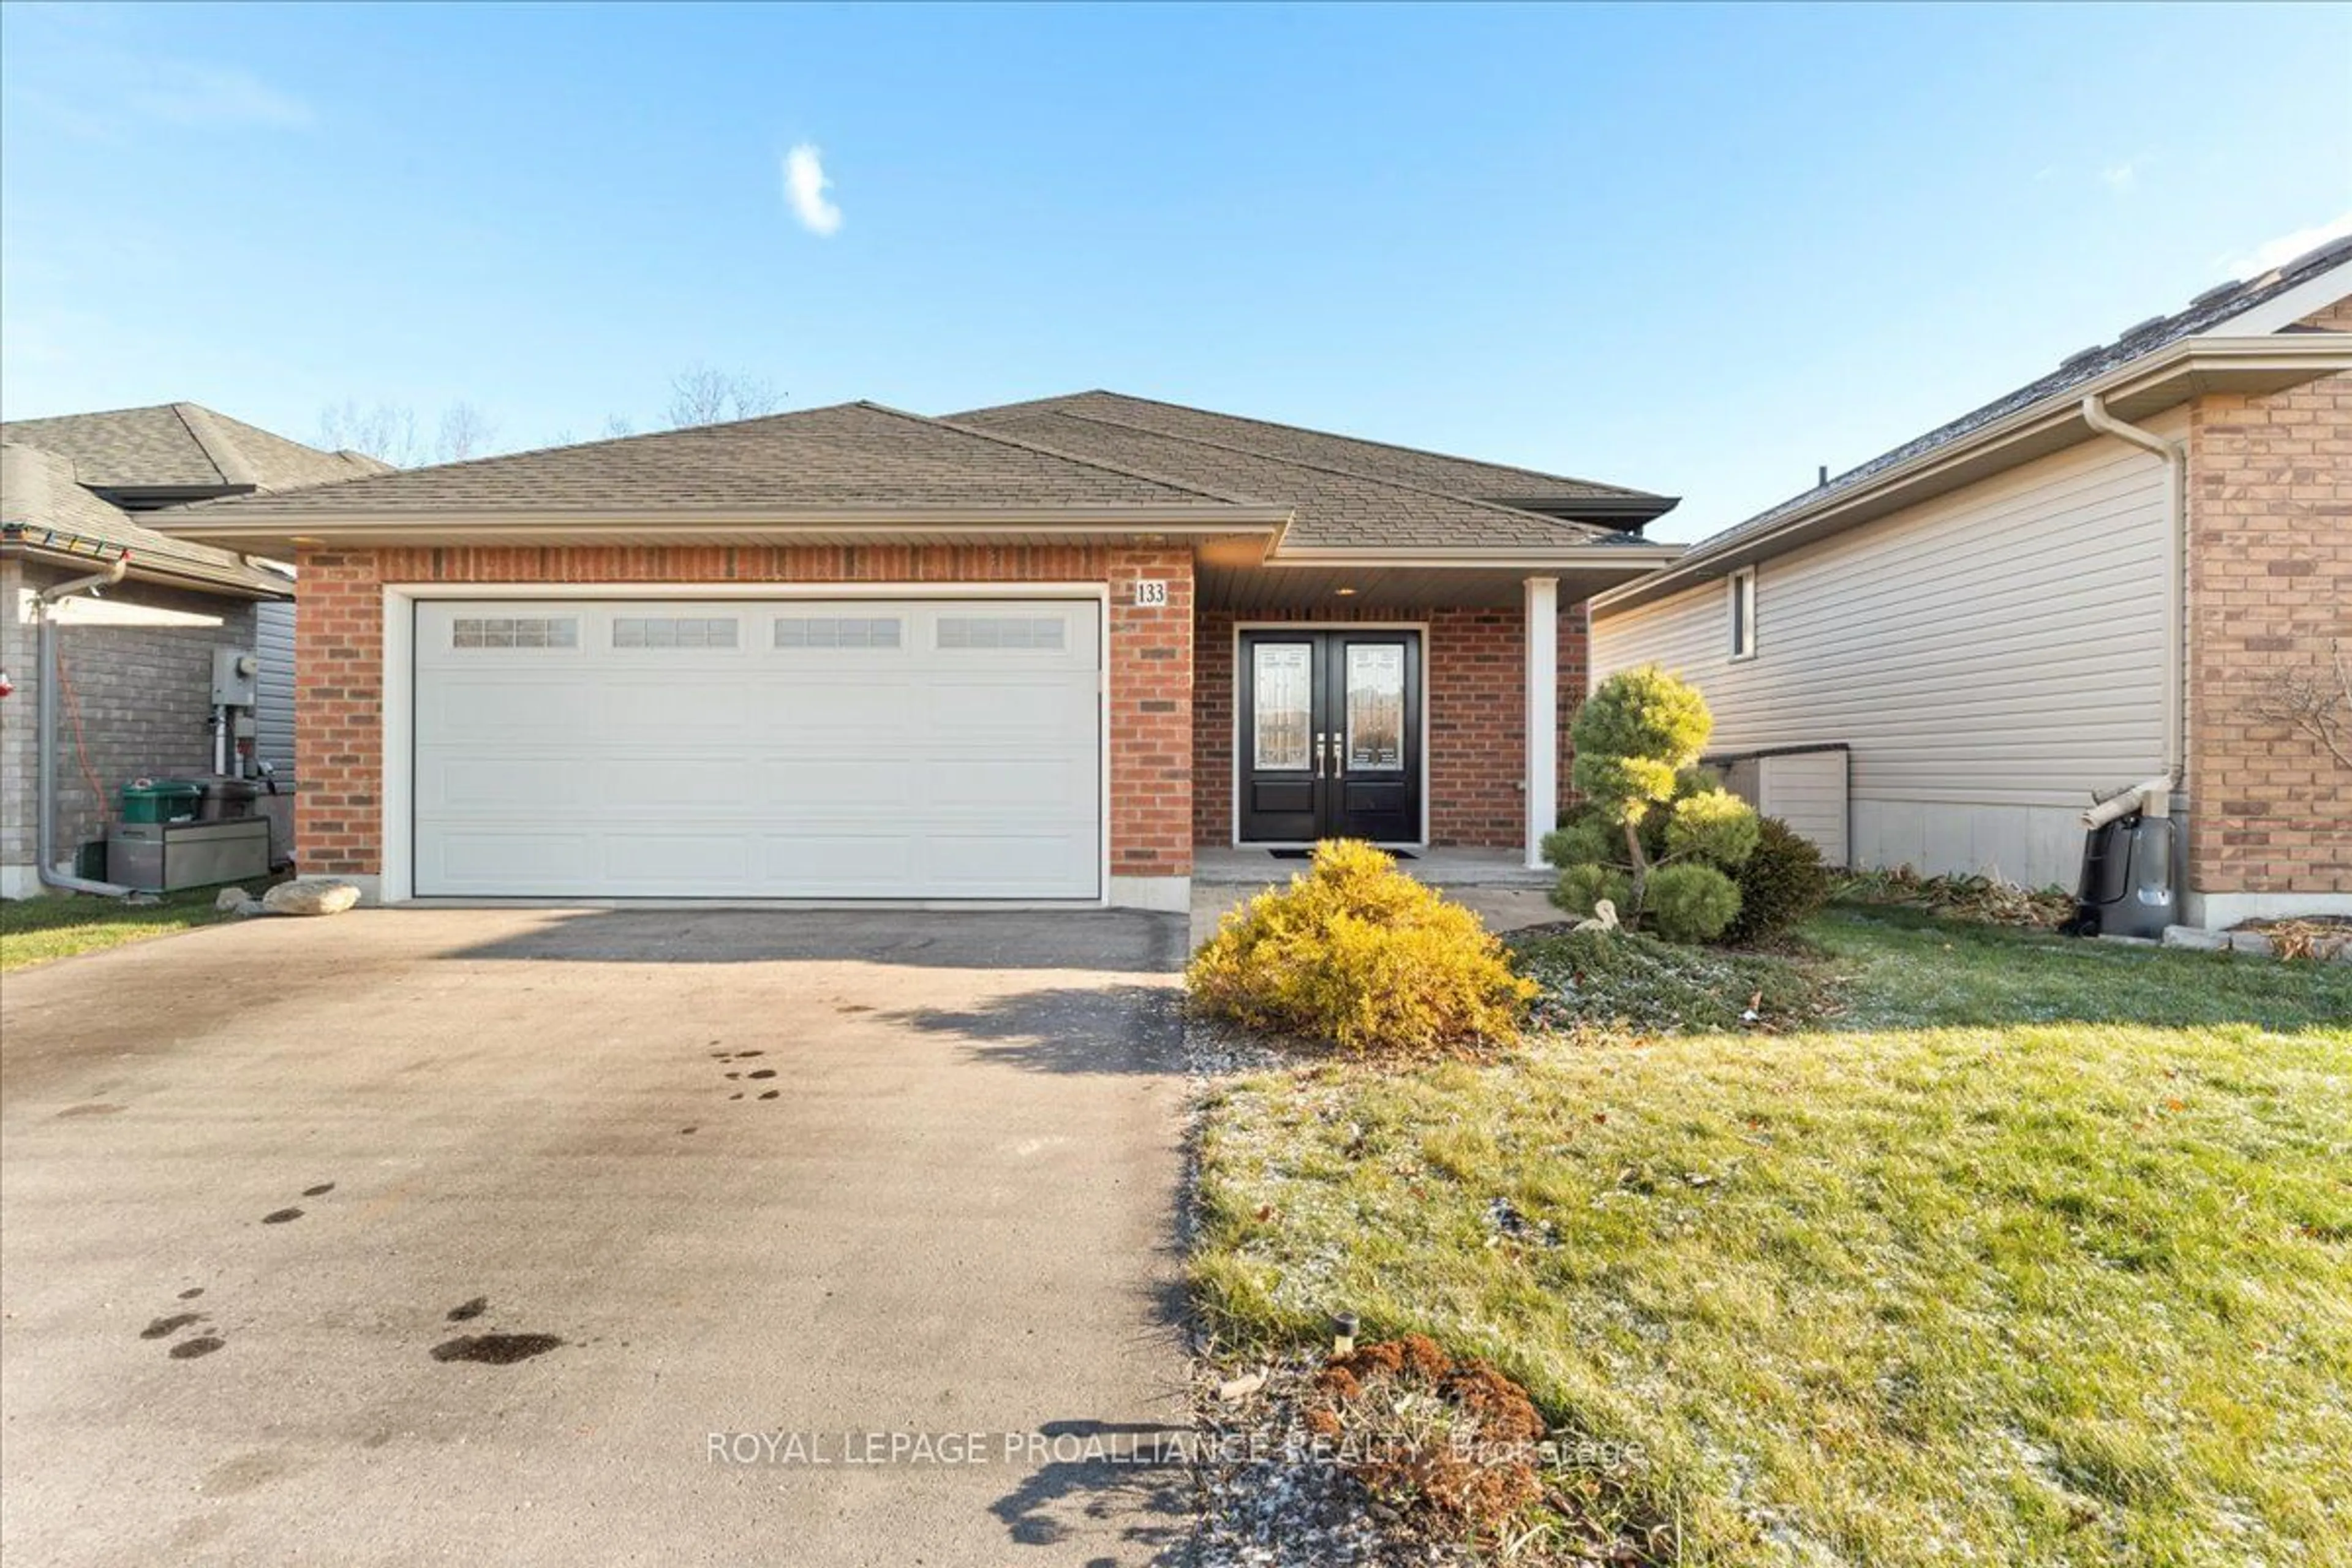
{"points": [[1329, 736]]}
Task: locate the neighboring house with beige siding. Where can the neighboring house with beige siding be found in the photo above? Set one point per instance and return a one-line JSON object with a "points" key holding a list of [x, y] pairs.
{"points": [[2095, 581]]}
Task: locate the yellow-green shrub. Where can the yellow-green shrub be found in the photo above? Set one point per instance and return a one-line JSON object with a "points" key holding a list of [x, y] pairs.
{"points": [[1355, 951]]}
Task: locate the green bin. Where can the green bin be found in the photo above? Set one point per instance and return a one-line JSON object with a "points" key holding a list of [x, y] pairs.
{"points": [[161, 800]]}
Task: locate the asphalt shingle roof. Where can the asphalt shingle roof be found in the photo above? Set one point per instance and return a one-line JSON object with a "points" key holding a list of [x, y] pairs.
{"points": [[1437, 471], [1331, 507], [44, 505], [848, 456], [2210, 310], [182, 446]]}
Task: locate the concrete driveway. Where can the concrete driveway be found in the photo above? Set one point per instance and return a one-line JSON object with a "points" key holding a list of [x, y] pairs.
{"points": [[823, 1174]]}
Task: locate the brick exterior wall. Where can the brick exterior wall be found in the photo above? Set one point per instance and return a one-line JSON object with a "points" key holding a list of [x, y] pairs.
{"points": [[2269, 590], [144, 693], [1475, 694], [339, 664]]}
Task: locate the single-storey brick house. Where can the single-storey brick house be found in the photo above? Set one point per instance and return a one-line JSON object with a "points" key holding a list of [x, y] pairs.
{"points": [[1032, 653], [2134, 566], [78, 492]]}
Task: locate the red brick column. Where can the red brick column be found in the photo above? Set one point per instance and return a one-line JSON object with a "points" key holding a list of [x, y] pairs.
{"points": [[1151, 717], [2269, 595], [339, 713]]}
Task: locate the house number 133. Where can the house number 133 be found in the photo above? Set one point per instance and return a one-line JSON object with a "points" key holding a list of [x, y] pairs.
{"points": [[1150, 591]]}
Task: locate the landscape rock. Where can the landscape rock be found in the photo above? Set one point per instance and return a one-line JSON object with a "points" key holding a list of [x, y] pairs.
{"points": [[2196, 938], [2252, 941], [232, 899], [310, 896]]}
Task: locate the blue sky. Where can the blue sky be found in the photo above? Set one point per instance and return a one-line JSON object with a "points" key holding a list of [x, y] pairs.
{"points": [[1698, 250]]}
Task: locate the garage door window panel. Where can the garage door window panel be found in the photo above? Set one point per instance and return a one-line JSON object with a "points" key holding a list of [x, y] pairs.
{"points": [[676, 632], [514, 632]]}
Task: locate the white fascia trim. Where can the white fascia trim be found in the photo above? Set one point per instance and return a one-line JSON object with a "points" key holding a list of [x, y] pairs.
{"points": [[1531, 560], [460, 527], [1008, 589], [396, 843], [2186, 368], [2306, 298]]}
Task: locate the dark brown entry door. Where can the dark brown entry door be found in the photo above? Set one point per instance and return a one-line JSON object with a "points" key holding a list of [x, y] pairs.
{"points": [[1330, 739]]}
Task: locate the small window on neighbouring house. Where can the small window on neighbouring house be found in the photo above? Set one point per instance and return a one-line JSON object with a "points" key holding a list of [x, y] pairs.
{"points": [[837, 631], [1048, 632], [673, 631], [1741, 600], [514, 631]]}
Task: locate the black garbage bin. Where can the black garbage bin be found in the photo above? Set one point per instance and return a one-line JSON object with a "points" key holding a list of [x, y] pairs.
{"points": [[226, 799], [2128, 887]]}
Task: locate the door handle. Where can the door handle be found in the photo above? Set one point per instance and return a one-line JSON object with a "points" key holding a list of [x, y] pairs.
{"points": [[1320, 740]]}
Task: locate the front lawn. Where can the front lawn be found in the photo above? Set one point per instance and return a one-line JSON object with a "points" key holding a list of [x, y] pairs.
{"points": [[34, 930], [2032, 1252]]}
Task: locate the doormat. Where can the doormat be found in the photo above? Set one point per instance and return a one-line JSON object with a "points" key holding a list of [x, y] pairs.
{"points": [[1310, 853]]}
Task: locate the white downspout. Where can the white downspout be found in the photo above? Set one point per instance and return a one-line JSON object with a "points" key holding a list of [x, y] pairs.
{"points": [[45, 772], [2176, 573]]}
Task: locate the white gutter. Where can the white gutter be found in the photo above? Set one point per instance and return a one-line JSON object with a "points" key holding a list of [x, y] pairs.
{"points": [[2176, 570], [46, 770]]}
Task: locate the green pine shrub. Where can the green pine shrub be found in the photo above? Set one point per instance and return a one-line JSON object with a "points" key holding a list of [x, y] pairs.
{"points": [[1650, 809], [1782, 884], [1356, 953]]}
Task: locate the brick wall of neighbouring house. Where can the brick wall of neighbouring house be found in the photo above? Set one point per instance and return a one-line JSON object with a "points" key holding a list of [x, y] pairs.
{"points": [[143, 694], [1478, 679], [339, 664], [2270, 592]]}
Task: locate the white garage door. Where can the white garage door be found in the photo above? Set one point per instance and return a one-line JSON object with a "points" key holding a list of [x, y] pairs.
{"points": [[914, 749]]}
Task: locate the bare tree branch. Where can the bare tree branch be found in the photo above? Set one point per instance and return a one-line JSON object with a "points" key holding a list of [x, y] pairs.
{"points": [[465, 432], [385, 432], [2315, 702], [701, 396]]}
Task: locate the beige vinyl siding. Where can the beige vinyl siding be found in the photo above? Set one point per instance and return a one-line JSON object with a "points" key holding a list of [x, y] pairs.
{"points": [[1807, 791], [1992, 656]]}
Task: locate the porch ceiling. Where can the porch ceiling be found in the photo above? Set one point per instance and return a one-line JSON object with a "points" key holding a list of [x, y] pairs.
{"points": [[1271, 586]]}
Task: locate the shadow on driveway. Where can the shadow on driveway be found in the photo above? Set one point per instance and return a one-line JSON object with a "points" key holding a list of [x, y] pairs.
{"points": [[1067, 1030], [1115, 940], [1137, 1474]]}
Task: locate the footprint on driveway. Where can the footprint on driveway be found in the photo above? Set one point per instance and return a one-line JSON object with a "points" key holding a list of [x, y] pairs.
{"points": [[163, 1327], [763, 1072], [279, 1217], [467, 1311], [493, 1350], [772, 1094], [189, 1349], [321, 1191]]}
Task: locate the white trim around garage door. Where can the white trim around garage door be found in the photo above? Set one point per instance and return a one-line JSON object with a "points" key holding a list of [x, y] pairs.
{"points": [[397, 881], [1234, 770]]}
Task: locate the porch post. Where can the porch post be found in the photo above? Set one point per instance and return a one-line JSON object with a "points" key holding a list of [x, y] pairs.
{"points": [[1543, 713]]}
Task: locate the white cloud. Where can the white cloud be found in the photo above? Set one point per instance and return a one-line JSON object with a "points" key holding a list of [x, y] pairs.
{"points": [[805, 188], [2278, 252], [178, 93], [2120, 177]]}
